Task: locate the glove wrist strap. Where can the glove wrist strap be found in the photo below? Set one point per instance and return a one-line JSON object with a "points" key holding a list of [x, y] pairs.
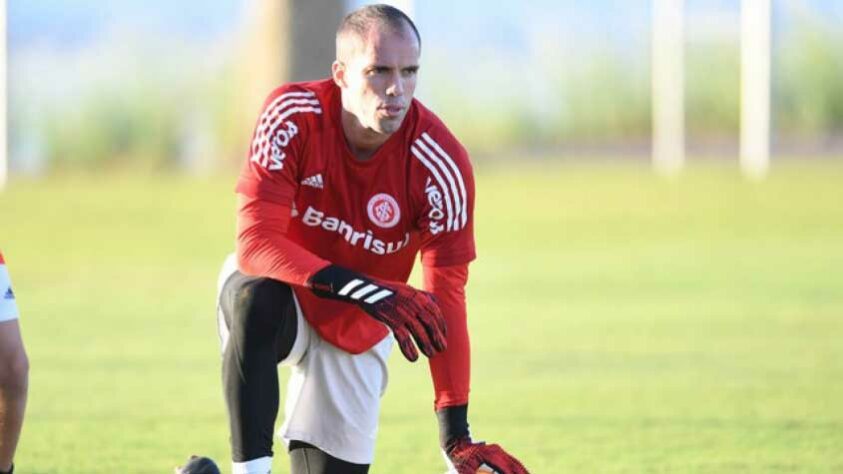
{"points": [[453, 425], [339, 283], [328, 281]]}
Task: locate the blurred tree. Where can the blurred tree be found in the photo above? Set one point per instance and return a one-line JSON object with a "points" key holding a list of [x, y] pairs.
{"points": [[284, 40], [810, 83], [312, 38]]}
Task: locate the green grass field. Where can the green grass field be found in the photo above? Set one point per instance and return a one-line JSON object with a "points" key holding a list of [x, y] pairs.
{"points": [[621, 322]]}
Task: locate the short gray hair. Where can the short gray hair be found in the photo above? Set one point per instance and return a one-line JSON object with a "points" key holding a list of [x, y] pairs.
{"points": [[360, 21]]}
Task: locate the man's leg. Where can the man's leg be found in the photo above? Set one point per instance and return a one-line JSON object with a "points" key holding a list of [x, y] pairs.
{"points": [[260, 317], [333, 403], [14, 377], [308, 459]]}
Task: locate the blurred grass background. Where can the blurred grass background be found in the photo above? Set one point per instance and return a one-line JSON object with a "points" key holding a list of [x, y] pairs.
{"points": [[621, 322]]}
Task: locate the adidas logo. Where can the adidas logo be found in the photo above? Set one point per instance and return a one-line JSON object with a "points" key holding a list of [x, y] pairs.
{"points": [[10, 295], [314, 181]]}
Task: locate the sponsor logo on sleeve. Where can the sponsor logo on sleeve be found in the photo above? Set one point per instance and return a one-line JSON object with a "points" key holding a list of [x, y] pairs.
{"points": [[274, 159], [436, 213], [448, 180], [274, 130]]}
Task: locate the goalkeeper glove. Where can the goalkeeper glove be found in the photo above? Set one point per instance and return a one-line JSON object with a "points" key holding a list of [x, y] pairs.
{"points": [[465, 456], [405, 310]]}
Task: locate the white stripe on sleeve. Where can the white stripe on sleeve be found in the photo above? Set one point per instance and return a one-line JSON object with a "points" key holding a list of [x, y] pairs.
{"points": [[458, 204], [433, 170], [450, 161], [273, 117]]}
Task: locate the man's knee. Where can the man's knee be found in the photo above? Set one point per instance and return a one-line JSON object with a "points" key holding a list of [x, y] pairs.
{"points": [[14, 371], [258, 302], [255, 299], [259, 313]]}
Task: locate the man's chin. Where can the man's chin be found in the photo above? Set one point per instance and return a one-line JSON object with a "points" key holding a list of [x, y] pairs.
{"points": [[390, 126]]}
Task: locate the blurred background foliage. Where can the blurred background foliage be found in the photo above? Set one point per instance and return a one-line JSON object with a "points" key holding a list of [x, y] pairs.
{"points": [[149, 95], [809, 91]]}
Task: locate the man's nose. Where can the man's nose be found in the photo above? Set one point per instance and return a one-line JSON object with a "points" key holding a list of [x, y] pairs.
{"points": [[396, 86]]}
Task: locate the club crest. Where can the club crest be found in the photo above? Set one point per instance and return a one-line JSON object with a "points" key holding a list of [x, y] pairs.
{"points": [[383, 210]]}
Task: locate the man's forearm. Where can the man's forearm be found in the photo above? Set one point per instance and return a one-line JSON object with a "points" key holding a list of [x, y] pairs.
{"points": [[451, 369], [263, 248]]}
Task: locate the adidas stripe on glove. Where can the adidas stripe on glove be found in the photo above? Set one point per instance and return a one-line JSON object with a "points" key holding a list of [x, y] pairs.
{"points": [[411, 314]]}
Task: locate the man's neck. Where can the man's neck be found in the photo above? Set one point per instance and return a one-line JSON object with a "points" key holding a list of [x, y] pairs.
{"points": [[362, 141]]}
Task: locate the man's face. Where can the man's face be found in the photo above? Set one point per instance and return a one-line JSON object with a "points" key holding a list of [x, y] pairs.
{"points": [[378, 78]]}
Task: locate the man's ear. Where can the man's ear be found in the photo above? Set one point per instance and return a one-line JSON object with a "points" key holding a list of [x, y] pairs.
{"points": [[338, 73]]}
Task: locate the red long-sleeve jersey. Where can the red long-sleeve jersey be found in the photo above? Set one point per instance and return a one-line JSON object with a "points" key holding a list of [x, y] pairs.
{"points": [[306, 201]]}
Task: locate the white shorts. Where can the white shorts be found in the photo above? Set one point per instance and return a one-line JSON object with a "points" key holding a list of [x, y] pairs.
{"points": [[8, 307], [333, 397]]}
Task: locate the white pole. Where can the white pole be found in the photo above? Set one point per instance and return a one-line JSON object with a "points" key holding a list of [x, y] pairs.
{"points": [[668, 89], [755, 88], [4, 158]]}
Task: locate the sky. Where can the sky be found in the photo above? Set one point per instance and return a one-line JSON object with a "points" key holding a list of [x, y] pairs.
{"points": [[551, 36], [77, 23], [507, 27]]}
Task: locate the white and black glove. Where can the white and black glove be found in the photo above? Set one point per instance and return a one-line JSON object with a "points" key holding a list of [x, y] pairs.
{"points": [[411, 314]]}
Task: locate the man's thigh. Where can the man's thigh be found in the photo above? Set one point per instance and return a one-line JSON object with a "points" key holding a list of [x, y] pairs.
{"points": [[333, 399], [259, 310]]}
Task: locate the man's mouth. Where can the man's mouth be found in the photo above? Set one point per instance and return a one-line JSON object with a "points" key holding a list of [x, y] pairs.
{"points": [[392, 110]]}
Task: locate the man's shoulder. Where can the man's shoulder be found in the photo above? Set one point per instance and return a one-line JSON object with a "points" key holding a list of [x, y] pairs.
{"points": [[320, 89], [443, 179], [301, 100], [429, 122], [290, 113], [433, 142]]}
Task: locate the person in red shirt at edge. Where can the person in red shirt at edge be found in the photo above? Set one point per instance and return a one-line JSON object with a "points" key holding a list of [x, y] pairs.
{"points": [[347, 180]]}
